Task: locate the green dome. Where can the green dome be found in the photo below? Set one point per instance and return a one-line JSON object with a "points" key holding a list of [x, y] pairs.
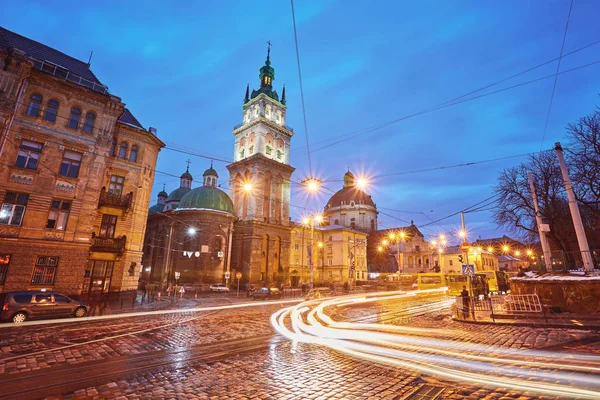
{"points": [[208, 198], [162, 193], [210, 171], [177, 194], [186, 175], [157, 208]]}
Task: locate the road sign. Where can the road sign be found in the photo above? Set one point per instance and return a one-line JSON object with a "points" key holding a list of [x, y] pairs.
{"points": [[227, 275], [468, 269], [238, 275], [464, 247]]}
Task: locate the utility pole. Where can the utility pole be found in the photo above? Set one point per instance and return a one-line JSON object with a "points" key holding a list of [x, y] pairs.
{"points": [[462, 222], [588, 263], [312, 249], [538, 220]]}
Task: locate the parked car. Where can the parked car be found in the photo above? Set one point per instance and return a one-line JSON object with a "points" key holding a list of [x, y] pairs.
{"points": [[266, 294], [219, 287], [18, 307]]}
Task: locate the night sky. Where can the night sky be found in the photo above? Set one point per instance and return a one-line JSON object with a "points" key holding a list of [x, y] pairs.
{"points": [[184, 71]]}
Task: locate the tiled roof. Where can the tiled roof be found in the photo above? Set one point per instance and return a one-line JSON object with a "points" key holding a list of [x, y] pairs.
{"points": [[42, 52], [128, 118]]}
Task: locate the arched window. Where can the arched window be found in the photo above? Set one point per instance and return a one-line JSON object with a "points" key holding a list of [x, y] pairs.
{"points": [[123, 151], [90, 118], [352, 223], [51, 111], [113, 148], [35, 102], [336, 222], [74, 118], [133, 153]]}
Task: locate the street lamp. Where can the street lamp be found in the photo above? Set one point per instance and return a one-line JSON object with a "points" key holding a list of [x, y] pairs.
{"points": [[317, 218]]}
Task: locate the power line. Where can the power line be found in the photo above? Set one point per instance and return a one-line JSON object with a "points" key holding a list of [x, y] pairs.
{"points": [[556, 76], [382, 125], [458, 212], [368, 130], [301, 88]]}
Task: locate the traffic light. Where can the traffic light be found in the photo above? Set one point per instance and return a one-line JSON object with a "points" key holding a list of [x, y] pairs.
{"points": [[460, 258]]}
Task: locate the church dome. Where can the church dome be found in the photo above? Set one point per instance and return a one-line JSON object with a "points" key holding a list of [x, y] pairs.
{"points": [[186, 175], [177, 194], [350, 194], [155, 209], [206, 198]]}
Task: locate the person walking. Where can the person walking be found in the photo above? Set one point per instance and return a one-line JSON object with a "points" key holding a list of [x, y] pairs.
{"points": [[465, 302]]}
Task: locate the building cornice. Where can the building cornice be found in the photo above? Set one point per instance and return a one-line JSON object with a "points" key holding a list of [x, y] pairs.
{"points": [[260, 119]]}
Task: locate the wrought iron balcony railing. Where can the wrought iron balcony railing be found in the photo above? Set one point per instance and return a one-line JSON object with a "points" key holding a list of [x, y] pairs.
{"points": [[108, 245], [115, 200]]}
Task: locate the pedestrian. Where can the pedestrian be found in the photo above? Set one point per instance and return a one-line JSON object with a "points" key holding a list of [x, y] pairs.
{"points": [[182, 291], [465, 302], [303, 289]]}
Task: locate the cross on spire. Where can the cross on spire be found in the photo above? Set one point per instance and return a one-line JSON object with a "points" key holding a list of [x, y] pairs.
{"points": [[188, 164]]}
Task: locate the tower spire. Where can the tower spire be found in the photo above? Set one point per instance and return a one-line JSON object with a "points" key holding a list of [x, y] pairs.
{"points": [[283, 95], [268, 62], [247, 96]]}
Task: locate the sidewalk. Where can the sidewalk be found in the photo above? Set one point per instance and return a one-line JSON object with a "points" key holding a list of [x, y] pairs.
{"points": [[551, 320]]}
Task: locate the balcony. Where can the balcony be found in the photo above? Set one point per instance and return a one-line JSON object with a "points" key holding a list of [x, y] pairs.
{"points": [[115, 200], [108, 245]]}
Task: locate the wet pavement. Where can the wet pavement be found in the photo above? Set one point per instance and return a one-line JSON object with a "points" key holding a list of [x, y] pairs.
{"points": [[235, 354]]}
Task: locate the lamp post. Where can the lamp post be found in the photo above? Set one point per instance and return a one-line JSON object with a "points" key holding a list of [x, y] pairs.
{"points": [[317, 218]]}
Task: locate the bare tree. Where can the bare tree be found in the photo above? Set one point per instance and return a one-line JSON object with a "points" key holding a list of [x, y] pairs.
{"points": [[515, 210], [583, 152]]}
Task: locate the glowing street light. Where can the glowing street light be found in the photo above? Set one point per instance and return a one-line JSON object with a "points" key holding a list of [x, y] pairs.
{"points": [[320, 244], [191, 230], [311, 184], [384, 242], [247, 187], [529, 252], [380, 248], [362, 183], [490, 249], [505, 248], [517, 253], [462, 234]]}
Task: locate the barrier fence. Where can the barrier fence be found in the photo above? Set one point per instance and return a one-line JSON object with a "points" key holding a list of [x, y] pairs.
{"points": [[512, 304]]}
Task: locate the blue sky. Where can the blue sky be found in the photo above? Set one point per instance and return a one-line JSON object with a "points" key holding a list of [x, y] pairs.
{"points": [[183, 69]]}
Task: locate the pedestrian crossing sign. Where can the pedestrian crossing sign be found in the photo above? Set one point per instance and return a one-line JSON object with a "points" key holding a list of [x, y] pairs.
{"points": [[468, 270]]}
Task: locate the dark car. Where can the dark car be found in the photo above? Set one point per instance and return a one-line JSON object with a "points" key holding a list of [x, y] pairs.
{"points": [[266, 293], [18, 307]]}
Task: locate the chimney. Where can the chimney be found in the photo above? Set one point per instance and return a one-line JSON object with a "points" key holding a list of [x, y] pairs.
{"points": [[152, 131]]}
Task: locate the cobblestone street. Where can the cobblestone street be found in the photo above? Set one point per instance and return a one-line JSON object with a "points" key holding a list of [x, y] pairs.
{"points": [[272, 369]]}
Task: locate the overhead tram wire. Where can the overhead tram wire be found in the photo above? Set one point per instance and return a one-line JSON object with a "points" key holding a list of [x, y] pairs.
{"points": [[562, 47], [368, 130], [384, 124], [301, 89], [465, 210]]}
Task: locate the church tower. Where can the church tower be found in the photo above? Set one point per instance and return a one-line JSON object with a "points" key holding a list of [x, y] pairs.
{"points": [[260, 183]]}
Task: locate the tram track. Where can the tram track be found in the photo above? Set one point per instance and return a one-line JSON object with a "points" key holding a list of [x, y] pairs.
{"points": [[70, 377]]}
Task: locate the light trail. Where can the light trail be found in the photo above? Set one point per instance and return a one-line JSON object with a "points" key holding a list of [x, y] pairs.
{"points": [[437, 352]]}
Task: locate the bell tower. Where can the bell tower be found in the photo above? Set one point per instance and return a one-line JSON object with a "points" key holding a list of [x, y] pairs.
{"points": [[259, 183]]}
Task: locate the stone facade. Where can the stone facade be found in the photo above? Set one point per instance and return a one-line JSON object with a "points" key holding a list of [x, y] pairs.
{"points": [[63, 171], [336, 249]]}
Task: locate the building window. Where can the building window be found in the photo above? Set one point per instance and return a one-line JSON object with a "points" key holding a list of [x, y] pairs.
{"points": [[352, 221], [268, 150], [4, 261], [13, 208], [70, 164], [297, 246], [44, 271], [297, 262], [133, 153], [108, 226], [29, 154], [35, 102], [116, 185], [331, 238], [58, 215], [279, 154], [242, 153], [330, 263], [123, 151], [101, 276], [51, 111], [74, 118], [113, 148], [251, 150], [88, 125], [450, 262]]}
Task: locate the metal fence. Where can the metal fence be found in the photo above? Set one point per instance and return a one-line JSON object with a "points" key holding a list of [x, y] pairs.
{"points": [[563, 261], [489, 307]]}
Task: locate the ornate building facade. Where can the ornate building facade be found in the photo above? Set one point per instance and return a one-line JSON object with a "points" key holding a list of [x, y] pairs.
{"points": [[77, 168], [351, 207], [189, 234], [252, 224]]}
